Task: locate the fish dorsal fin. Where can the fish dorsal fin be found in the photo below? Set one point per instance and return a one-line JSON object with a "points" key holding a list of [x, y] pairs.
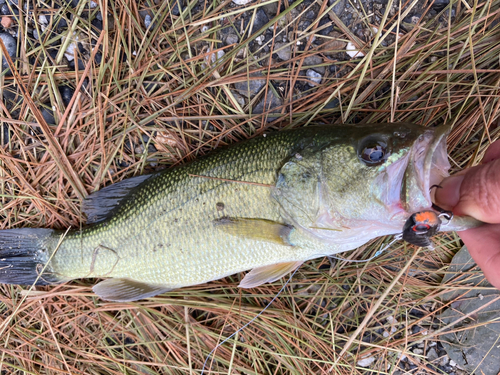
{"points": [[126, 290], [256, 229], [98, 206], [267, 274]]}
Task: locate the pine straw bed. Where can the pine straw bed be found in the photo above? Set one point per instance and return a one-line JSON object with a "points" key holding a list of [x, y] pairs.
{"points": [[165, 94]]}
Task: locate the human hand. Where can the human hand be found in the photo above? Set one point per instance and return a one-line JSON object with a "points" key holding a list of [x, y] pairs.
{"points": [[476, 192]]}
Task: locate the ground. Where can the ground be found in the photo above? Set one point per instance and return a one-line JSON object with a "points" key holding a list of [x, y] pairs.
{"points": [[95, 92]]}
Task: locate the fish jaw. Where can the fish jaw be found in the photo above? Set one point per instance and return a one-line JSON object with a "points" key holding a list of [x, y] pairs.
{"points": [[428, 166]]}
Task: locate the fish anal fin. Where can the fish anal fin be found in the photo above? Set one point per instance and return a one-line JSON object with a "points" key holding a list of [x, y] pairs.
{"points": [[99, 205], [256, 229], [267, 274], [126, 290]]}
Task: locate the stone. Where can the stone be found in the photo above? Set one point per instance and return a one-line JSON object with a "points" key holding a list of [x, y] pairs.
{"points": [[148, 21], [250, 87], [314, 76], [6, 22], [271, 102], [352, 51], [240, 99], [259, 21], [473, 344], [366, 362], [314, 61], [444, 360], [463, 272], [66, 94], [11, 47], [283, 51], [339, 6], [432, 355], [232, 39], [48, 116], [242, 2]]}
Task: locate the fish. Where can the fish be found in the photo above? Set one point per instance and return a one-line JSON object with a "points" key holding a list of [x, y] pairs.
{"points": [[265, 205]]}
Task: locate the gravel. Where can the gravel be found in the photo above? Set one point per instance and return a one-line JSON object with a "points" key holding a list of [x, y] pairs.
{"points": [[11, 47]]}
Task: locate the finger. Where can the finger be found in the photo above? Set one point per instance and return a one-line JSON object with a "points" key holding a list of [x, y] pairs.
{"points": [[475, 193], [492, 153], [447, 195], [483, 244]]}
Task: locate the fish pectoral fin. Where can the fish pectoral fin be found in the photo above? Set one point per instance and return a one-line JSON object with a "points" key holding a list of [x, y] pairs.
{"points": [[268, 274], [256, 229], [126, 290]]}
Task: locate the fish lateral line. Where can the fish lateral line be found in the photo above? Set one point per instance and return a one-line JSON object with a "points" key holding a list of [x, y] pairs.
{"points": [[229, 180]]}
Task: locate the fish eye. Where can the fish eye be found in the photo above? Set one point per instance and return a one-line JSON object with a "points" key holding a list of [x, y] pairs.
{"points": [[373, 151]]}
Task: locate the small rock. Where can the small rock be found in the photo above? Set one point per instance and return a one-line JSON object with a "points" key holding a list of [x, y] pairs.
{"points": [[314, 76], [365, 362], [5, 10], [452, 363], [352, 51], [271, 102], [283, 51], [432, 355], [333, 44], [232, 39], [259, 21], [418, 351], [260, 39], [148, 21], [11, 46], [178, 7], [242, 2], [439, 5], [72, 65], [315, 60], [339, 6], [251, 87], [240, 99], [6, 22], [66, 94], [48, 116], [72, 47], [214, 57], [444, 360], [334, 103]]}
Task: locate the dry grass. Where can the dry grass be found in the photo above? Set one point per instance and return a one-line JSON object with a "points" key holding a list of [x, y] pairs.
{"points": [[154, 87]]}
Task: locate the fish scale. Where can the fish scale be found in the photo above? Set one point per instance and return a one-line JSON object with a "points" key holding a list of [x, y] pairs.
{"points": [[265, 205], [177, 211]]}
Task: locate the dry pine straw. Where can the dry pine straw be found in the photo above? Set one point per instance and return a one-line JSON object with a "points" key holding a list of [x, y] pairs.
{"points": [[439, 72]]}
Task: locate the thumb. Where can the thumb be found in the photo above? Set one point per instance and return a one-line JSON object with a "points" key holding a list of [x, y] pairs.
{"points": [[475, 193]]}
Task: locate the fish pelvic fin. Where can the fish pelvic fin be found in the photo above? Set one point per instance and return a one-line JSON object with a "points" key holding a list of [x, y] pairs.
{"points": [[24, 255], [256, 229], [127, 290], [268, 274]]}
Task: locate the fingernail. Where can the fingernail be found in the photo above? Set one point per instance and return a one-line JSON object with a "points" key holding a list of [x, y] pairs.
{"points": [[449, 194]]}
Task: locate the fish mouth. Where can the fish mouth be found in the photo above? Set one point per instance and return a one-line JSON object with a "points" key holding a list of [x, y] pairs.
{"points": [[427, 166]]}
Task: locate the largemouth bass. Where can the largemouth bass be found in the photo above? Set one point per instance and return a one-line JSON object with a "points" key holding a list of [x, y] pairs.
{"points": [[265, 205]]}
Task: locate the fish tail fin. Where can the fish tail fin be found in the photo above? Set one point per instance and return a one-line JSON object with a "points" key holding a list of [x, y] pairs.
{"points": [[24, 255]]}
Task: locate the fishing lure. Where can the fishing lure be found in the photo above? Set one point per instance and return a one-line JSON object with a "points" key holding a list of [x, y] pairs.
{"points": [[422, 225]]}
